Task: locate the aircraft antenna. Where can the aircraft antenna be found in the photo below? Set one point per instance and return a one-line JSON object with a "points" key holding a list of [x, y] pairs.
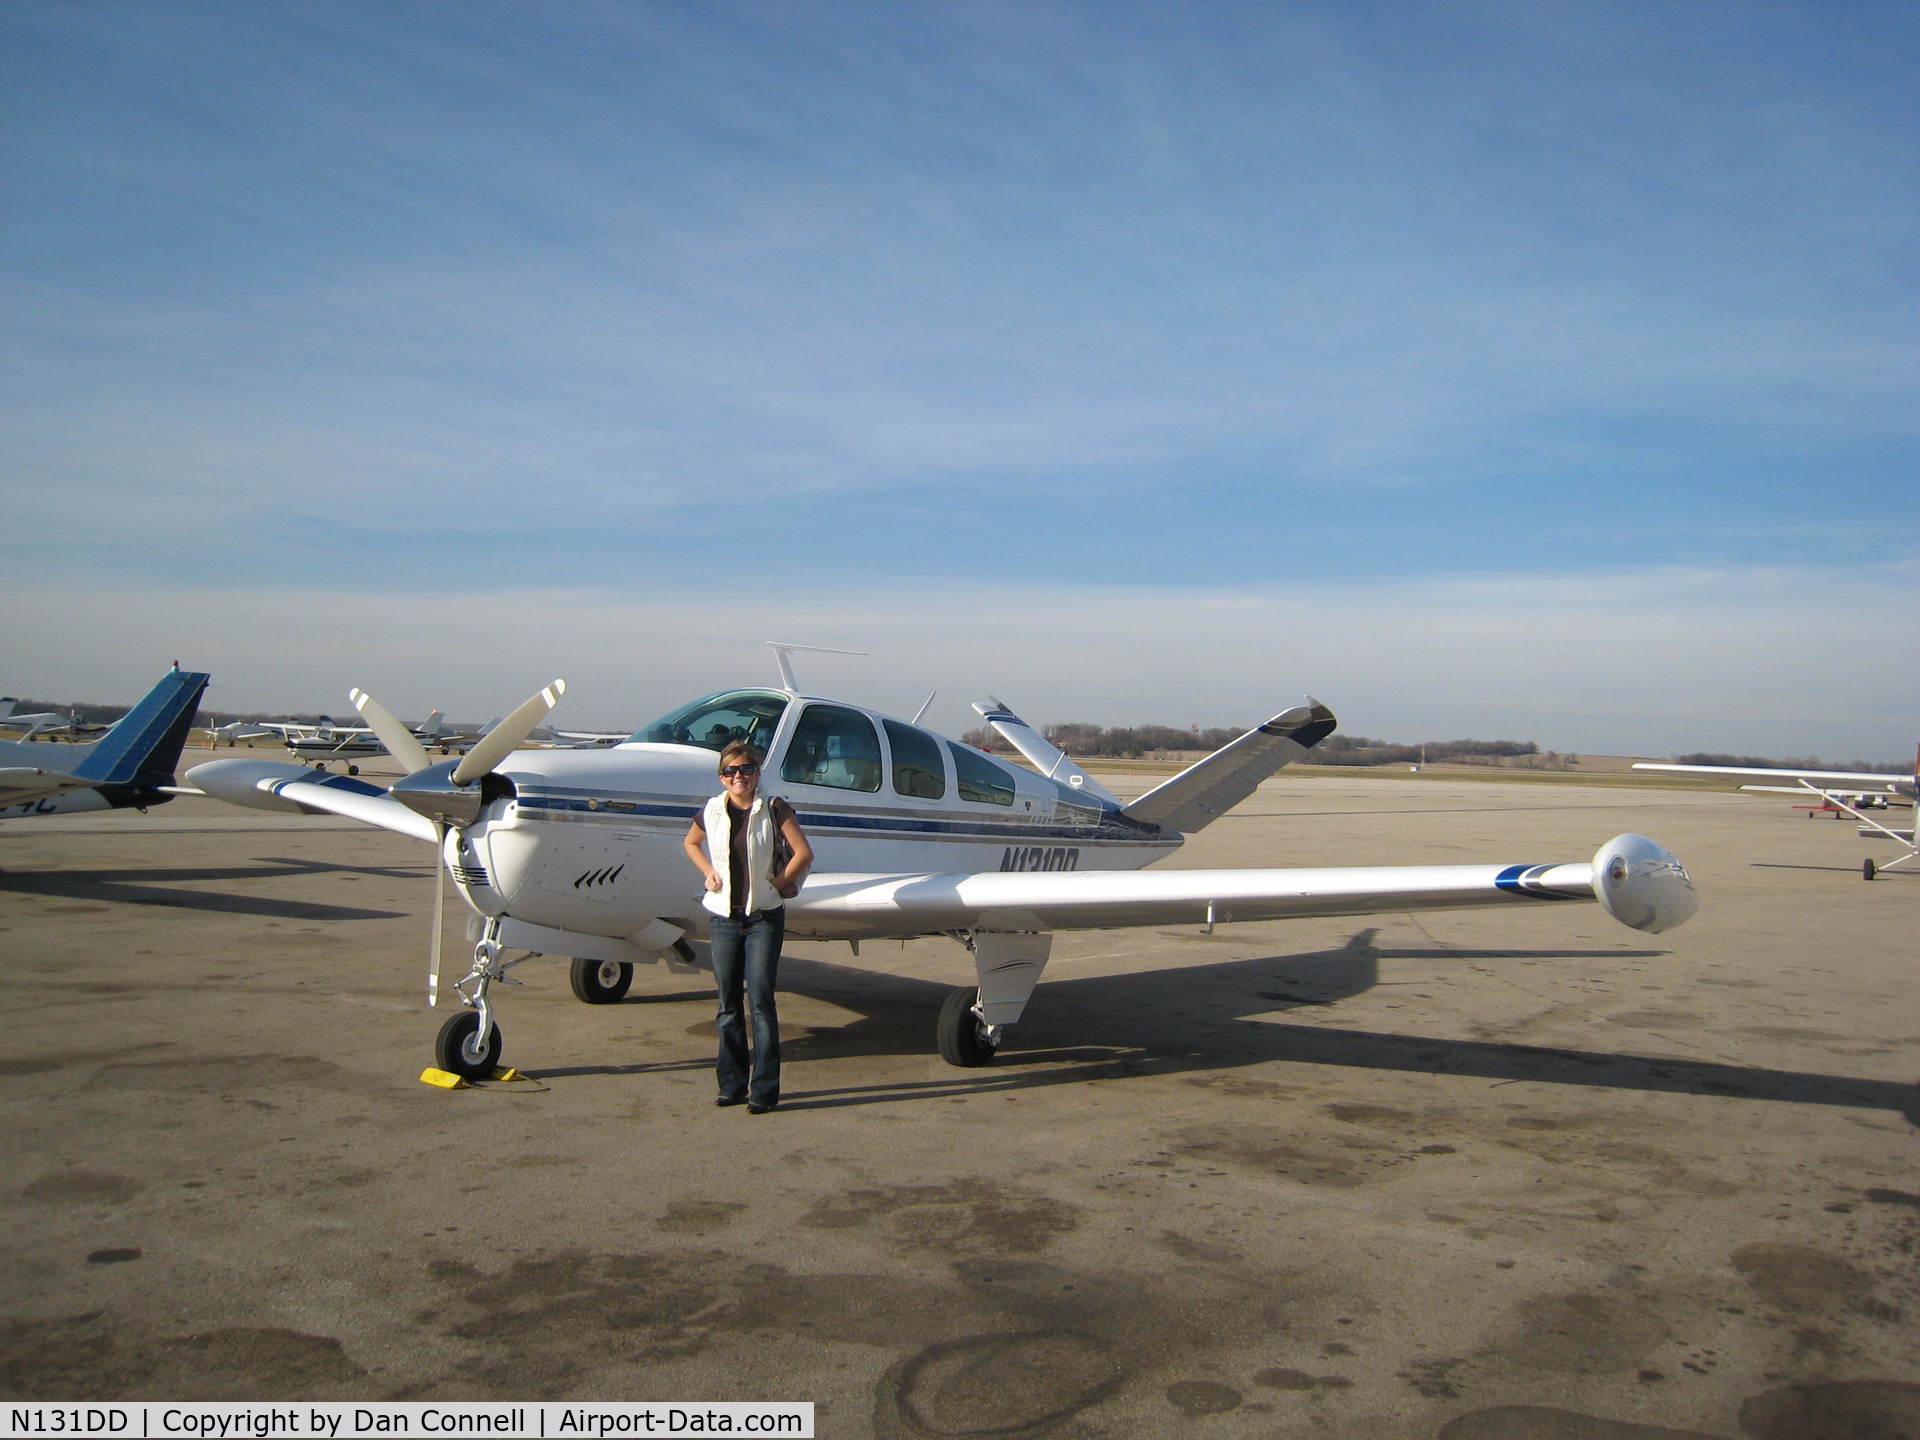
{"points": [[782, 650], [923, 709]]}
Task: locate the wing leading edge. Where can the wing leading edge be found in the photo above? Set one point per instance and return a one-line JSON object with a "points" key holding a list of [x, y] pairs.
{"points": [[277, 785]]}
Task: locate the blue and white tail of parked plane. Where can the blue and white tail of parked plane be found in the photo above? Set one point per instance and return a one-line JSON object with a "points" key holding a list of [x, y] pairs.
{"points": [[131, 765]]}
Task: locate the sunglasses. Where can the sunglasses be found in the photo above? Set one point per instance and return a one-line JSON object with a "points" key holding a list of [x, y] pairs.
{"points": [[729, 771]]}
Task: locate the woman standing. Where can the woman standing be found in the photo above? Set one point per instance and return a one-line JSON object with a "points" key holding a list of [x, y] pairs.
{"points": [[735, 842]]}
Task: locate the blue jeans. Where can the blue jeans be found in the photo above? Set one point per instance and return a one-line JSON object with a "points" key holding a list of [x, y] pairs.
{"points": [[746, 954]]}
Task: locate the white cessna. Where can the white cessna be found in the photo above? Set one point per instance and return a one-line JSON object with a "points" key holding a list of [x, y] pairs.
{"points": [[1850, 801], [328, 740], [578, 853]]}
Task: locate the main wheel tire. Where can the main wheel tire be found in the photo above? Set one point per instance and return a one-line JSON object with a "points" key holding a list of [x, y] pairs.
{"points": [[960, 1040], [600, 982], [1868, 870], [460, 1049]]}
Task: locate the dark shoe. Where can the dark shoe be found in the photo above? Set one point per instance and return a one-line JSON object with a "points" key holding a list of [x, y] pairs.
{"points": [[754, 1107], [725, 1100]]}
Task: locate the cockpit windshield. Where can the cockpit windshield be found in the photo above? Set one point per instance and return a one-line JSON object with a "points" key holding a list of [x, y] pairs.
{"points": [[716, 721]]}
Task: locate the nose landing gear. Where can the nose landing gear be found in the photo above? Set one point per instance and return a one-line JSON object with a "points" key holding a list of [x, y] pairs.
{"points": [[469, 1043]]}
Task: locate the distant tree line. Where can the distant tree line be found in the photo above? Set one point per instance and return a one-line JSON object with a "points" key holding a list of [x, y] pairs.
{"points": [[1130, 742], [1339, 749], [91, 713]]}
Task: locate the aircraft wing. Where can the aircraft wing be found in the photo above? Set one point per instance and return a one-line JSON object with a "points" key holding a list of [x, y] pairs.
{"points": [[271, 785], [592, 739], [1638, 882], [1845, 777], [43, 720], [1805, 790]]}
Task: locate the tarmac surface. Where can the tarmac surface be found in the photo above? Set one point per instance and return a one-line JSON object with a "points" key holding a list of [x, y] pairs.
{"points": [[1482, 1175]]}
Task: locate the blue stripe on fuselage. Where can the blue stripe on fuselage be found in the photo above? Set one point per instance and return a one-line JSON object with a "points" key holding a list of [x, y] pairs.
{"points": [[550, 806]]}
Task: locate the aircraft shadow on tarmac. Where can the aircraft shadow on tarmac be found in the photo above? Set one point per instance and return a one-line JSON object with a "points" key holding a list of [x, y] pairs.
{"points": [[156, 887], [1196, 1018]]}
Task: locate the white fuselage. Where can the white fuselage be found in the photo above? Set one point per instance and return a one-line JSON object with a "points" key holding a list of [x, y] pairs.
{"points": [[591, 842], [70, 802]]}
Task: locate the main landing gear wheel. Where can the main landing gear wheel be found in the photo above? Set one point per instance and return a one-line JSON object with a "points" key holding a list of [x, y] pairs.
{"points": [[963, 1039], [460, 1049], [1868, 870], [600, 982]]}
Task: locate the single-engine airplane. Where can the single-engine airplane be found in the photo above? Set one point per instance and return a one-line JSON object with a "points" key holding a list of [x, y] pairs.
{"points": [[233, 732], [1850, 800], [12, 719], [329, 740], [131, 765], [578, 853]]}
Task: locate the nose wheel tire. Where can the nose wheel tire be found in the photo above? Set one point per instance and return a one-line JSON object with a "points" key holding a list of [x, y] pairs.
{"points": [[963, 1040], [600, 982], [1868, 869], [461, 1049]]}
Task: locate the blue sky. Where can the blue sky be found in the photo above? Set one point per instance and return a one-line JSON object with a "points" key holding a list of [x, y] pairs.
{"points": [[1522, 370]]}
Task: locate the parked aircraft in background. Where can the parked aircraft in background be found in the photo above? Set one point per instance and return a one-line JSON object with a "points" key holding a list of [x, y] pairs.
{"points": [[131, 765], [51, 726], [329, 741], [1820, 784], [233, 731], [541, 737], [579, 739], [12, 719], [578, 853]]}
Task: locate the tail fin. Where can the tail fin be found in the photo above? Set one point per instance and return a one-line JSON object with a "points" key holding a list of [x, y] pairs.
{"points": [[434, 726], [1044, 756], [1203, 792], [143, 748]]}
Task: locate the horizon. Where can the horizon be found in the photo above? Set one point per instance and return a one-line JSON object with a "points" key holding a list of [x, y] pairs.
{"points": [[349, 716]]}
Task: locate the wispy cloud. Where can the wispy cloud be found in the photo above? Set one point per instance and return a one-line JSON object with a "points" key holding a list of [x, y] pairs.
{"points": [[1069, 302]]}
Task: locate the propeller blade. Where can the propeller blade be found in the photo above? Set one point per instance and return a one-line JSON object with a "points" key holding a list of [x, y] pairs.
{"points": [[439, 914], [505, 738], [398, 739]]}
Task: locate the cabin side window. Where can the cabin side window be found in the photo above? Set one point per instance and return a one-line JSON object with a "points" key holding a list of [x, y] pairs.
{"points": [[834, 747], [917, 768], [979, 778]]}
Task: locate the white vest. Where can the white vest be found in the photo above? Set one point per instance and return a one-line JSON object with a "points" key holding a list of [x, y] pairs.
{"points": [[760, 830]]}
